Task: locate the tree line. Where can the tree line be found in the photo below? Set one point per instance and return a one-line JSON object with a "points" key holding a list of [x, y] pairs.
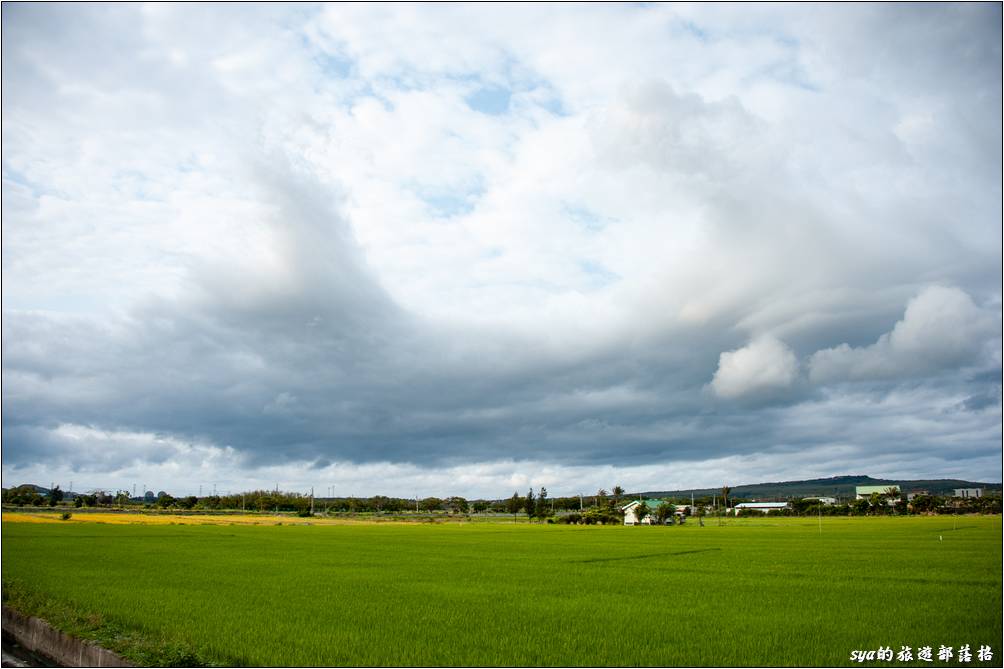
{"points": [[602, 507]]}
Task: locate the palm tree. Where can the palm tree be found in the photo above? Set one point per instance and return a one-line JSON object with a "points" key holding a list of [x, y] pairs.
{"points": [[725, 495], [618, 491], [877, 500], [664, 512], [892, 492], [601, 496]]}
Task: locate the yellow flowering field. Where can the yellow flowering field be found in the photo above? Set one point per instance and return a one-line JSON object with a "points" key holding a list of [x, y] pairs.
{"points": [[126, 518]]}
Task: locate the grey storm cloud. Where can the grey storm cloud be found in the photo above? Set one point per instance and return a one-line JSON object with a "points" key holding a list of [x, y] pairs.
{"points": [[232, 255]]}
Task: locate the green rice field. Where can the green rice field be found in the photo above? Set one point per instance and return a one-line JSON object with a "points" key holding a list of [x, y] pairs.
{"points": [[753, 592]]}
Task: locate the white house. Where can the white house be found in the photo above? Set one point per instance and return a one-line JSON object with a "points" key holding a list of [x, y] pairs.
{"points": [[629, 514], [762, 507], [828, 501]]}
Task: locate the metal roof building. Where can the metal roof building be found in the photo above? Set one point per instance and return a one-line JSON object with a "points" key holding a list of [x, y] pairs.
{"points": [[763, 507]]}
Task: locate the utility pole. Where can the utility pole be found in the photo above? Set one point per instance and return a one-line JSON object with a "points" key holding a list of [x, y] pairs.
{"points": [[580, 501], [311, 500]]}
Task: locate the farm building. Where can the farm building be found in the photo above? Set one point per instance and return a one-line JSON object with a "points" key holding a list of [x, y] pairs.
{"points": [[629, 515], [866, 491], [829, 501], [762, 507], [967, 492]]}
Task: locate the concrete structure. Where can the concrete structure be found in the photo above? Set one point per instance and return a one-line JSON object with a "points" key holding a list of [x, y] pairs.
{"points": [[968, 492], [762, 507], [865, 491], [39, 637]]}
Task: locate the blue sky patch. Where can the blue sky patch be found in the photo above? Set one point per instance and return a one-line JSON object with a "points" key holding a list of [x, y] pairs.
{"points": [[597, 275], [490, 100], [587, 218], [444, 203]]}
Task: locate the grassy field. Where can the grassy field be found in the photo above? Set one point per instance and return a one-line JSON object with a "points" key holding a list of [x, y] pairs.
{"points": [[770, 592]]}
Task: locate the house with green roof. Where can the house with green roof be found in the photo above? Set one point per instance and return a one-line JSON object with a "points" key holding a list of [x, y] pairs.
{"points": [[631, 519]]}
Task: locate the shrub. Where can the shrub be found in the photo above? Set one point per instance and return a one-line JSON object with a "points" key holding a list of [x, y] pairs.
{"points": [[66, 515]]}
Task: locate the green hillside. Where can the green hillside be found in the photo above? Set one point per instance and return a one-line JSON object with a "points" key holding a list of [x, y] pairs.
{"points": [[836, 486]]}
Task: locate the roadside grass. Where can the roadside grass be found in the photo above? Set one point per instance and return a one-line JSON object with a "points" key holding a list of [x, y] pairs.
{"points": [[753, 592], [143, 648]]}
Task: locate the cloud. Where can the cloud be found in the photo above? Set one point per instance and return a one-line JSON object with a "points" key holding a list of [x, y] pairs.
{"points": [[515, 236], [942, 328], [764, 365]]}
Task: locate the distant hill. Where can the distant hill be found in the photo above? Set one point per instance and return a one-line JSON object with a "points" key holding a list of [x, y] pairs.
{"points": [[33, 487], [42, 490], [836, 486]]}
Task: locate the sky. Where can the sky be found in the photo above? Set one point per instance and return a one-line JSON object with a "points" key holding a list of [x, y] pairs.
{"points": [[420, 250]]}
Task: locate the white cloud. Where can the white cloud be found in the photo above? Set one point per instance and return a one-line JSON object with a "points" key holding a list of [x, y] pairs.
{"points": [[942, 328], [766, 364]]}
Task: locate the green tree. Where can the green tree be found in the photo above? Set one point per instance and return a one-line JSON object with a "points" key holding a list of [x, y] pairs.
{"points": [[640, 512], [665, 511], [458, 504], [924, 503], [514, 505], [877, 501], [431, 504], [725, 497], [542, 509], [531, 506], [617, 492], [601, 497]]}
